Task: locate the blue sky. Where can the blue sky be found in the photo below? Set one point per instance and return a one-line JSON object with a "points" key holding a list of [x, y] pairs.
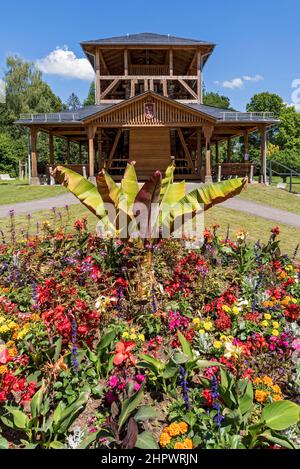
{"points": [[257, 49]]}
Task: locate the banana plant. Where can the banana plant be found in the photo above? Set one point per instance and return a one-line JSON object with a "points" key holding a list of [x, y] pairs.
{"points": [[147, 213]]}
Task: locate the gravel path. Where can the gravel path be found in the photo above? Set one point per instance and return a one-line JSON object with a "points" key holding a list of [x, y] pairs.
{"points": [[239, 204]]}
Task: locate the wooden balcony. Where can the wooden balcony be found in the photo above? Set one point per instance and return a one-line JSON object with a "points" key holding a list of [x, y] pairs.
{"points": [[148, 70]]}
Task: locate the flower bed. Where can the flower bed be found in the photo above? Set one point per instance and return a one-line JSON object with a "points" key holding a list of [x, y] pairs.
{"points": [[209, 360]]}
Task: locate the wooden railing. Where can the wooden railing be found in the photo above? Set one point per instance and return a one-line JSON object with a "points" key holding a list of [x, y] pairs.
{"points": [[152, 70]]}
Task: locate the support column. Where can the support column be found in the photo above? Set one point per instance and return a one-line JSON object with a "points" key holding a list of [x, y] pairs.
{"points": [[228, 150], [208, 131], [51, 149], [91, 131], [199, 151], [34, 180], [217, 152], [100, 165], [263, 155], [97, 77], [246, 145], [199, 80], [171, 62], [68, 151], [126, 62]]}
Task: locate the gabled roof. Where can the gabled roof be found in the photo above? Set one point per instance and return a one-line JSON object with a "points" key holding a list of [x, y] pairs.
{"points": [[147, 39], [83, 115]]}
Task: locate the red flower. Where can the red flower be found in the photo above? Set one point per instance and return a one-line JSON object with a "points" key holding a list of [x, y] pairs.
{"points": [[123, 353], [275, 230]]}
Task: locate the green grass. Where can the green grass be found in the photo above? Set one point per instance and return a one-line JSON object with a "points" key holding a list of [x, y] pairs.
{"points": [[13, 193], [272, 196], [257, 227]]}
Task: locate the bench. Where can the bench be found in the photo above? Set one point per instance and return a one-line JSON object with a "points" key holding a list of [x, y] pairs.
{"points": [[225, 170], [6, 177]]}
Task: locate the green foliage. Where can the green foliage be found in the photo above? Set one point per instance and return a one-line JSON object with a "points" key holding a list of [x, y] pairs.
{"points": [[216, 100], [266, 102], [73, 102], [90, 100]]}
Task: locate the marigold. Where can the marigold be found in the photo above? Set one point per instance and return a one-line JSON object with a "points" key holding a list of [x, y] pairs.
{"points": [[183, 426], [277, 397], [165, 439], [173, 429], [3, 369], [267, 381], [261, 396], [179, 445], [187, 443], [276, 389]]}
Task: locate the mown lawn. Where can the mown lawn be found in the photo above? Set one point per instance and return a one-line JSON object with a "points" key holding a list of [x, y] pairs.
{"points": [[257, 227], [272, 196], [13, 193]]}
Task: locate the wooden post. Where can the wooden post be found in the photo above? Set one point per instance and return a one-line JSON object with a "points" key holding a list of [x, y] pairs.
{"points": [[97, 78], [68, 151], [228, 150], [165, 88], [199, 80], [208, 131], [33, 141], [246, 145], [51, 149], [126, 62], [145, 85], [263, 155], [100, 149], [91, 131], [199, 151], [171, 62], [217, 152]]}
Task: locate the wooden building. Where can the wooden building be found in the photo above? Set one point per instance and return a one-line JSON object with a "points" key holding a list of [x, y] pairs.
{"points": [[148, 109]]}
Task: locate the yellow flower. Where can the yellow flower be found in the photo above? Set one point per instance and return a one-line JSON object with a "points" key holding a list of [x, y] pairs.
{"points": [[141, 337], [132, 336], [241, 235], [132, 330], [12, 325], [276, 389], [217, 344], [223, 337], [267, 316], [275, 332], [179, 445], [3, 369], [232, 350], [4, 329], [235, 310], [125, 335], [183, 426], [196, 321], [294, 300], [226, 308], [173, 429], [13, 352], [10, 343], [261, 396], [277, 397], [208, 325], [164, 439], [264, 323], [201, 331], [267, 380], [276, 324]]}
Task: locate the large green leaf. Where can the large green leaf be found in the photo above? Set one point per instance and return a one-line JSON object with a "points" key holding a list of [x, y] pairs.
{"points": [[144, 203], [20, 419], [145, 412], [281, 415], [129, 405], [246, 402], [129, 184], [84, 190], [145, 440], [168, 179], [186, 348], [277, 439], [207, 195]]}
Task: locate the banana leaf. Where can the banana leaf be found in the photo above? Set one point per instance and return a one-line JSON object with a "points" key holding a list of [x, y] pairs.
{"points": [[143, 209], [129, 184], [168, 179]]}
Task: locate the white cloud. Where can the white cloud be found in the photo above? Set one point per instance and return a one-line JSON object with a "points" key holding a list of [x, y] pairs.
{"points": [[239, 82], [62, 61], [2, 91]]}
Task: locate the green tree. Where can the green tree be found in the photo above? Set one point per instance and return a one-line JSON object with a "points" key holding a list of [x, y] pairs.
{"points": [[288, 135], [90, 100], [266, 102], [73, 102], [216, 100]]}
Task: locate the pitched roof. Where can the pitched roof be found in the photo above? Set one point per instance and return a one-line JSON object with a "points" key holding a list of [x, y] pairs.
{"points": [[147, 39]]}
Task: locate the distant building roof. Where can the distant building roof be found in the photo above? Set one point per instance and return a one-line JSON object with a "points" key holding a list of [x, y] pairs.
{"points": [[147, 39]]}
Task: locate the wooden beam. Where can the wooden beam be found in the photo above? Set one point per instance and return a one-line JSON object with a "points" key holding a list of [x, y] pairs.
{"points": [[199, 78], [97, 77], [188, 88], [165, 88], [102, 61], [185, 148], [126, 62], [114, 147], [110, 88], [263, 156], [146, 85], [91, 131], [199, 151], [151, 85], [132, 88], [208, 131], [171, 62], [33, 141], [100, 149], [148, 77]]}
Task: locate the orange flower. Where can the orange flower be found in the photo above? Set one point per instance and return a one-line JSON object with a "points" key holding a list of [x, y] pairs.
{"points": [[123, 352], [179, 445], [173, 429], [261, 396], [277, 397], [165, 439], [267, 381], [187, 443], [183, 427]]}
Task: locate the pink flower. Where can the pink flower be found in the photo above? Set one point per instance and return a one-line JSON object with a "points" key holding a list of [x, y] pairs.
{"points": [[140, 378], [113, 381], [296, 344], [136, 386]]}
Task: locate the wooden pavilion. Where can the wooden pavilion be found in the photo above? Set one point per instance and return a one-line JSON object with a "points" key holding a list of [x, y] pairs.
{"points": [[148, 109]]}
